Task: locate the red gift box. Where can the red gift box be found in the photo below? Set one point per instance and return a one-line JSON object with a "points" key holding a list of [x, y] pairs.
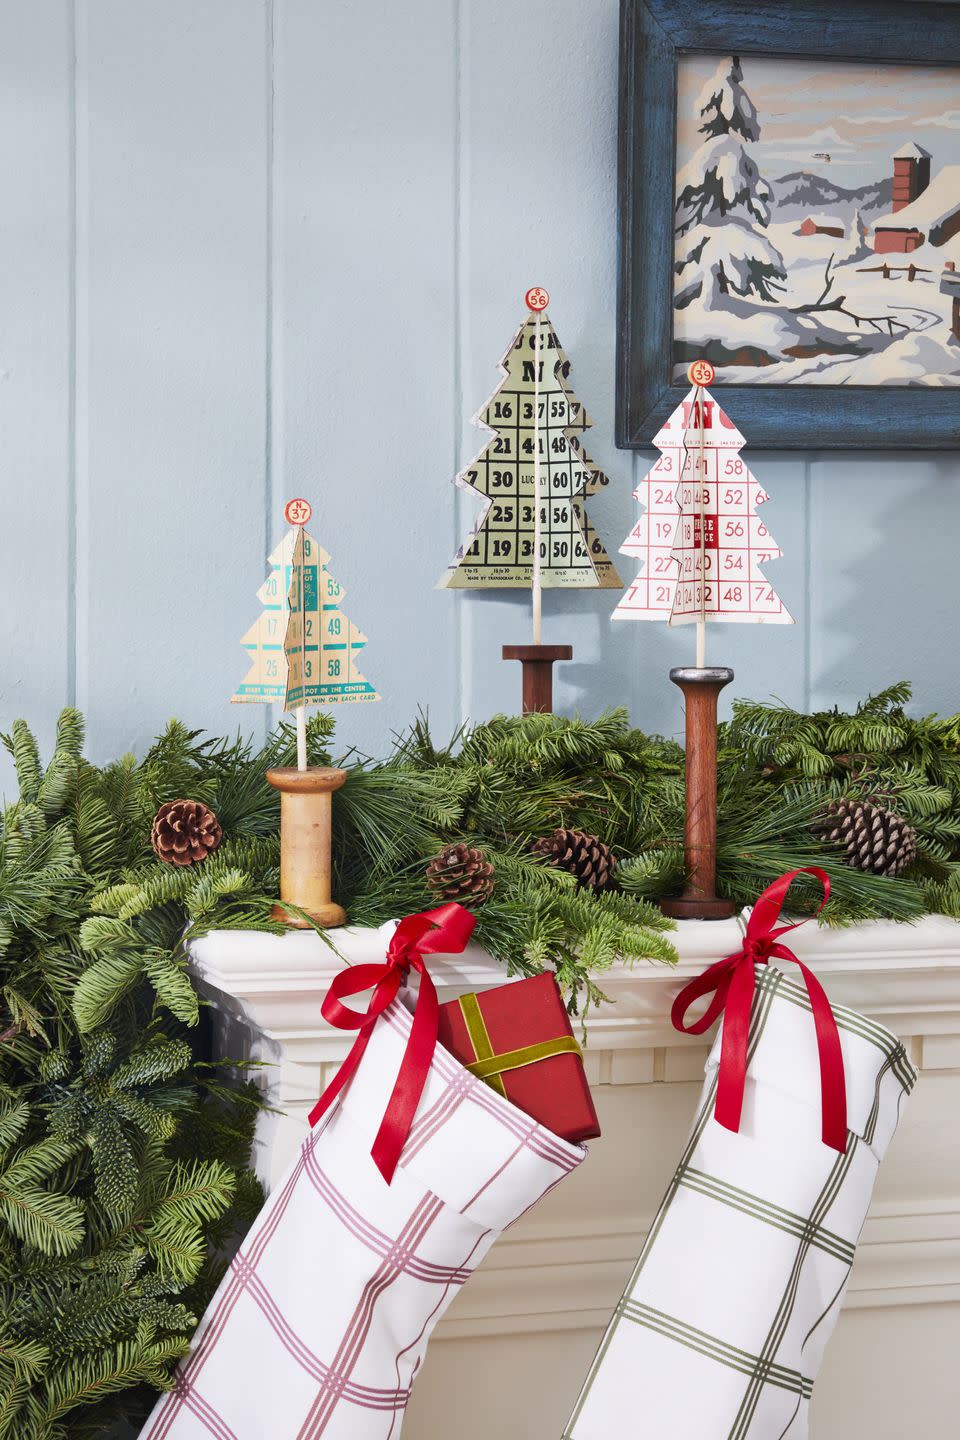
{"points": [[518, 1039]]}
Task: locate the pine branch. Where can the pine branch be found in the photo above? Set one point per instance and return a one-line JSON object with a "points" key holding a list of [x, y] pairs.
{"points": [[26, 759]]}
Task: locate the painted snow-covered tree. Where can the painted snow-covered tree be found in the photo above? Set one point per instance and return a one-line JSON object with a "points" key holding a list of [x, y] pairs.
{"points": [[857, 249], [724, 203]]}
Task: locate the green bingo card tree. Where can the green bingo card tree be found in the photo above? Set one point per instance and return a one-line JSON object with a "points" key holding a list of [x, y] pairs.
{"points": [[534, 475]]}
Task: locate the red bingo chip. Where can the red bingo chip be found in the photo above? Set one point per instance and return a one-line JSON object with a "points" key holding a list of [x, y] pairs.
{"points": [[537, 298], [701, 372], [297, 512]]}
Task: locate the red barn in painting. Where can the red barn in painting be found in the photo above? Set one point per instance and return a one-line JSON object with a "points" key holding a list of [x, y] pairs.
{"points": [[911, 174], [922, 209], [822, 225]]}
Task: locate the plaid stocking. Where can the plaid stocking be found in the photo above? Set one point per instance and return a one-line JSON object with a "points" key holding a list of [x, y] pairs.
{"points": [[322, 1322], [723, 1324]]}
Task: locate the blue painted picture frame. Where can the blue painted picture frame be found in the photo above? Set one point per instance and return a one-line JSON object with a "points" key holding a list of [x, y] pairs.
{"points": [[834, 411]]}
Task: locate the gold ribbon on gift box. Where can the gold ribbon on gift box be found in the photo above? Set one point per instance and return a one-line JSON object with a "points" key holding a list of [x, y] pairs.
{"points": [[490, 1066]]}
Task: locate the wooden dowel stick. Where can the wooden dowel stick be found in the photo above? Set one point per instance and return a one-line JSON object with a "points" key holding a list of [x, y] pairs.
{"points": [[301, 714], [537, 585], [702, 493]]}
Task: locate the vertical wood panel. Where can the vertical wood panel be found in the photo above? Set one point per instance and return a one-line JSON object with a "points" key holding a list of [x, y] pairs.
{"points": [[883, 575], [539, 207], [171, 372], [36, 514], [364, 360], [379, 350]]}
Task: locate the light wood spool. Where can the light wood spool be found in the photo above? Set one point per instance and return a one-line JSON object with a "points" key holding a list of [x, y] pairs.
{"points": [[306, 837]]}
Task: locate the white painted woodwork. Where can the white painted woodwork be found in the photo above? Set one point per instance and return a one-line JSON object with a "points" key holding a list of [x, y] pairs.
{"points": [[510, 1354]]}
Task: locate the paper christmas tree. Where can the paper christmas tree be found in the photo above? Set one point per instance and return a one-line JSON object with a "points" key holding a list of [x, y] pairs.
{"points": [[303, 650], [700, 540], [533, 414]]}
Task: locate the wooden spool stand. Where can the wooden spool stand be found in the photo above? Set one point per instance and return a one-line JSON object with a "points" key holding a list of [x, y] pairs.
{"points": [[537, 662], [699, 900], [306, 832]]}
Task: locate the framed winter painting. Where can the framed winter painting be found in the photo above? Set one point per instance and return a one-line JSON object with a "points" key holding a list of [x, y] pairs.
{"points": [[790, 211]]}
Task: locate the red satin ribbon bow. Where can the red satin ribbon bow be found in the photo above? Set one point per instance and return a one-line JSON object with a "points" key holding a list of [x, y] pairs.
{"points": [[732, 981], [444, 931]]}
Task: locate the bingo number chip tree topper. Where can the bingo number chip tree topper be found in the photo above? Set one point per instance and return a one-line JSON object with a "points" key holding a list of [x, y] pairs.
{"points": [[303, 650], [701, 544]]}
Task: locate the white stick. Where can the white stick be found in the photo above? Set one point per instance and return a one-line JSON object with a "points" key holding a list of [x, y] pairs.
{"points": [[302, 709], [702, 491], [301, 714], [537, 587]]}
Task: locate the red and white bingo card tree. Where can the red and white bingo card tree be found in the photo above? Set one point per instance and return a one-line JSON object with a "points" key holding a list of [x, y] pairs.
{"points": [[701, 541], [701, 544]]}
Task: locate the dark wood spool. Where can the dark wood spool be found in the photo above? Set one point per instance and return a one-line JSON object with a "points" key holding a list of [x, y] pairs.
{"points": [[699, 900], [537, 662]]}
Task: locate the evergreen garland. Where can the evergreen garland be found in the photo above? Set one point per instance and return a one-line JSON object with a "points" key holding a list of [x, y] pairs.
{"points": [[123, 1156], [877, 753], [124, 1152]]}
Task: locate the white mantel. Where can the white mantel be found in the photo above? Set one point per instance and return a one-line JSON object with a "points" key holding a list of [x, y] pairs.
{"points": [[540, 1299]]}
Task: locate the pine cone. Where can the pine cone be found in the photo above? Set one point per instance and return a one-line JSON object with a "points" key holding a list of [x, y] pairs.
{"points": [[875, 839], [583, 855], [462, 873], [185, 832]]}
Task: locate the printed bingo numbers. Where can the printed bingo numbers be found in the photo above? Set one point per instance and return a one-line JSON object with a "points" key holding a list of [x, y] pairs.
{"points": [[700, 541], [303, 650], [534, 412]]}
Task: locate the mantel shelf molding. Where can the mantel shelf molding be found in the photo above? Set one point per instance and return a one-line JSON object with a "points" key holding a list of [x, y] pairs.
{"points": [[905, 976]]}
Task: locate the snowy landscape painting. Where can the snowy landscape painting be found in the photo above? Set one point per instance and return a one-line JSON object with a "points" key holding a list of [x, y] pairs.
{"points": [[817, 221]]}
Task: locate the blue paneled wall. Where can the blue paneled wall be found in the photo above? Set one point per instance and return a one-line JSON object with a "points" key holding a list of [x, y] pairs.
{"points": [[256, 249]]}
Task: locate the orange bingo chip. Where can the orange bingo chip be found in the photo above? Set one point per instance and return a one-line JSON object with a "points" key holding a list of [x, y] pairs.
{"points": [[297, 512], [701, 372], [537, 298]]}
